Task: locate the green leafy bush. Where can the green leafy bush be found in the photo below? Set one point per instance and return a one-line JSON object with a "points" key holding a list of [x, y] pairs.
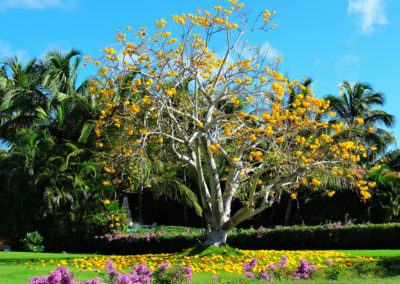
{"points": [[111, 219], [33, 242]]}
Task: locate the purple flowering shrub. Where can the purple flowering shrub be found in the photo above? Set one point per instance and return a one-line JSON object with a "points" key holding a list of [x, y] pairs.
{"points": [[248, 267], [59, 275], [304, 270], [140, 274], [178, 274], [259, 230], [120, 235], [280, 271], [149, 235]]}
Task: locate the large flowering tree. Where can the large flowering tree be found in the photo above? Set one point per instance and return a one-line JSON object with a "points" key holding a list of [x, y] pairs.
{"points": [[226, 112]]}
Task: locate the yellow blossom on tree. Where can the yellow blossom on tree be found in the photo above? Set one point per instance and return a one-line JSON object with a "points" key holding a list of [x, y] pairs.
{"points": [[359, 120], [315, 182], [186, 95]]}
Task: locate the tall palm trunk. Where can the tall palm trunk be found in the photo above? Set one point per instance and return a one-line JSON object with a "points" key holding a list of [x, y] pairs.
{"points": [[288, 211], [141, 205], [185, 219]]}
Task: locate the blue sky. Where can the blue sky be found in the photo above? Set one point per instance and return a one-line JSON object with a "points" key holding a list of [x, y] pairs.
{"points": [[329, 41]]}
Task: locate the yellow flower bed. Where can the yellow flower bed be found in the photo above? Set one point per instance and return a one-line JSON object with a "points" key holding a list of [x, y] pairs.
{"points": [[215, 263]]}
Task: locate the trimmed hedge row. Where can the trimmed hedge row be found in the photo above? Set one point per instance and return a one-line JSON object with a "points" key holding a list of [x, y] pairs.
{"points": [[372, 236], [161, 244]]}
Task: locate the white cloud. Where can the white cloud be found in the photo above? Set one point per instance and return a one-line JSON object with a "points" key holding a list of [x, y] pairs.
{"points": [[265, 49], [6, 51], [369, 13], [230, 59], [349, 59], [271, 51], [347, 67], [319, 62], [35, 4]]}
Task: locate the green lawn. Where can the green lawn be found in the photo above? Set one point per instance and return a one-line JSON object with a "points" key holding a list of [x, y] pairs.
{"points": [[391, 256], [373, 253], [16, 267], [13, 268], [206, 278]]}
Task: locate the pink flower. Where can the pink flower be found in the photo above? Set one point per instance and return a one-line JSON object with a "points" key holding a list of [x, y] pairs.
{"points": [[249, 266], [328, 261]]}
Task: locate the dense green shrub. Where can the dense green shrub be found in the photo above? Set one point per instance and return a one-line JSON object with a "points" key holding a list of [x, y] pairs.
{"points": [[161, 244], [164, 239], [371, 236], [33, 242]]}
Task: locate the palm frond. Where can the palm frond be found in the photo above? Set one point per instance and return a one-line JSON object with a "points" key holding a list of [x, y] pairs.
{"points": [[86, 131]]}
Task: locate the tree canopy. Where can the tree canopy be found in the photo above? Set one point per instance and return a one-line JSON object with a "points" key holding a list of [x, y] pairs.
{"points": [[171, 94]]}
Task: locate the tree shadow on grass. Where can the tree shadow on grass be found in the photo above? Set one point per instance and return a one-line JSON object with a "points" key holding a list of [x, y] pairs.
{"points": [[224, 250], [199, 250], [390, 266]]}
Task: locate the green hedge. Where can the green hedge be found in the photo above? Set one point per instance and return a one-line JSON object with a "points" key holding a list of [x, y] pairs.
{"points": [[372, 236], [161, 244]]}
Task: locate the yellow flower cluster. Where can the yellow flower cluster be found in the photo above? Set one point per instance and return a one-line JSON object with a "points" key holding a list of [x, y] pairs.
{"points": [[256, 155], [214, 148], [160, 60], [213, 263]]}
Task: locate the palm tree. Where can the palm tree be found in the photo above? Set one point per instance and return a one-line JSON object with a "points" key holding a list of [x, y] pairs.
{"points": [[61, 75], [43, 92], [71, 100], [22, 93], [44, 180], [356, 102]]}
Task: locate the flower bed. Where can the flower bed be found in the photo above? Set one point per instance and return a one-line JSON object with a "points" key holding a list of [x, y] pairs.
{"points": [[178, 268], [140, 274]]}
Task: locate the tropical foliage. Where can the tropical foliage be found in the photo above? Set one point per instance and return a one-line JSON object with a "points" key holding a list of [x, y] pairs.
{"points": [[355, 104], [47, 177]]}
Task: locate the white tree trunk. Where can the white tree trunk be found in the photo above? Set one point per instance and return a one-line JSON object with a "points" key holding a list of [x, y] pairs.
{"points": [[215, 238]]}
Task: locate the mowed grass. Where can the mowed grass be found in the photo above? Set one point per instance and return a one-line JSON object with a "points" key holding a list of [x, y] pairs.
{"points": [[14, 268], [373, 253], [17, 267], [202, 278]]}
